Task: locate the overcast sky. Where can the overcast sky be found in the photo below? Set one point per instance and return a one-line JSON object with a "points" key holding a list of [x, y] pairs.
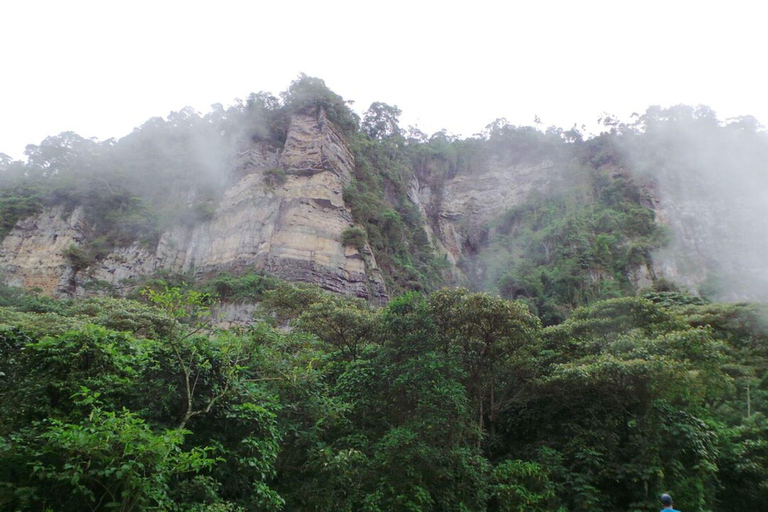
{"points": [[102, 68]]}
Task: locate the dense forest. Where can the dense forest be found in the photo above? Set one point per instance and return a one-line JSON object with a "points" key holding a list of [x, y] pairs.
{"points": [[452, 401], [535, 374]]}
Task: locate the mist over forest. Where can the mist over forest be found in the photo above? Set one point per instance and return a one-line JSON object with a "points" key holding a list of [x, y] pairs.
{"points": [[546, 320]]}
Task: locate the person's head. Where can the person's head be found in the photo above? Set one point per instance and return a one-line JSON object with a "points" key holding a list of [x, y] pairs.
{"points": [[666, 500]]}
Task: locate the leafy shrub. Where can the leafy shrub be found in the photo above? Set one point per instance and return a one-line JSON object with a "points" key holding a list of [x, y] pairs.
{"points": [[306, 92], [275, 177], [16, 203], [247, 287], [79, 257], [518, 485], [354, 237]]}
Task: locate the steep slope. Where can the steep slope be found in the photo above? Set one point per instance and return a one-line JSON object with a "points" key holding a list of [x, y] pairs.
{"points": [[719, 236], [542, 215], [549, 230], [710, 188], [284, 214], [468, 203]]}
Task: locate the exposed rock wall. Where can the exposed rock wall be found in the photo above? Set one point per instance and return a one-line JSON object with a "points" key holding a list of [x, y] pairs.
{"points": [[291, 229], [461, 210], [32, 255]]}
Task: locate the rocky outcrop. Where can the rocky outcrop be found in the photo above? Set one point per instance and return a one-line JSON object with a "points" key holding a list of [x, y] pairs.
{"points": [[32, 256], [228, 314], [460, 211], [284, 214]]}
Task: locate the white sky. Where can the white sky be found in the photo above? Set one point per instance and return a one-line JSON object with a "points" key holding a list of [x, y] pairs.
{"points": [[101, 68]]}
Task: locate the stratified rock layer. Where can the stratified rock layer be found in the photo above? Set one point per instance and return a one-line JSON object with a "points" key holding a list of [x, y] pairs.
{"points": [[460, 212], [284, 214], [33, 254], [291, 229]]}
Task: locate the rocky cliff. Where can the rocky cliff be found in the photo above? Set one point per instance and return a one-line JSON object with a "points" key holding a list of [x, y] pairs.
{"points": [[468, 202], [536, 214], [467, 206], [283, 214], [716, 223]]}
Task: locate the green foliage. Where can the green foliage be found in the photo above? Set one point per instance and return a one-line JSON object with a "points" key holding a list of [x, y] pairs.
{"points": [[523, 143], [18, 202], [378, 198], [354, 237], [631, 382], [248, 286], [520, 486], [287, 301], [275, 177], [456, 401], [489, 337], [453, 401], [29, 301], [158, 420], [79, 258], [348, 325], [381, 121], [571, 249], [308, 92], [111, 460], [743, 468], [124, 315], [39, 324]]}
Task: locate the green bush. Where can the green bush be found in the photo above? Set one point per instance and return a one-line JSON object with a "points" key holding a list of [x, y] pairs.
{"points": [[275, 177], [354, 237], [246, 287], [16, 203], [79, 257]]}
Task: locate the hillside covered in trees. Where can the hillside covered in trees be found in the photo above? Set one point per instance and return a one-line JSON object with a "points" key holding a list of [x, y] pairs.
{"points": [[525, 319]]}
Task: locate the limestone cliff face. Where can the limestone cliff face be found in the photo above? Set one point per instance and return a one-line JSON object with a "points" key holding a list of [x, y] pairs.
{"points": [[289, 227], [32, 255], [284, 213], [462, 209]]}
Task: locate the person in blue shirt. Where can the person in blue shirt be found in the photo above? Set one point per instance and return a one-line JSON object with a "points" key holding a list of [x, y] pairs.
{"points": [[666, 501]]}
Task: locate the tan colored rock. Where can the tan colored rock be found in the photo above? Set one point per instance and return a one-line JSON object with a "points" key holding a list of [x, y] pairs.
{"points": [[313, 145], [292, 230], [469, 201], [32, 255]]}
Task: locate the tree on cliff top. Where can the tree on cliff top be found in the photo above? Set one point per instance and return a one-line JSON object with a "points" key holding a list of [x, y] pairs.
{"points": [[381, 120], [307, 91]]}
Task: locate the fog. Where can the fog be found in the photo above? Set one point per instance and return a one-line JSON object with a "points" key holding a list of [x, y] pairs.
{"points": [[711, 177]]}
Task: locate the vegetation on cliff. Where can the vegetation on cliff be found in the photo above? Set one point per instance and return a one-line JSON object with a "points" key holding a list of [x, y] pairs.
{"points": [[577, 245], [581, 240]]}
